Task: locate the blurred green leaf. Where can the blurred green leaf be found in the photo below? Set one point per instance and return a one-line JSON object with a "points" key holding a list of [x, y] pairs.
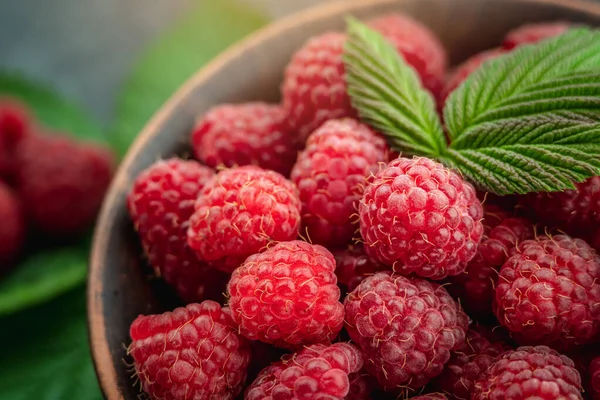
{"points": [[42, 276], [179, 52], [51, 110], [46, 353]]}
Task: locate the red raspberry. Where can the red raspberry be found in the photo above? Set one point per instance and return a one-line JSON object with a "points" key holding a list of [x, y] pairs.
{"points": [[475, 286], [160, 203], [14, 127], [594, 371], [241, 211], [314, 86], [422, 218], [353, 265], [244, 134], [12, 229], [467, 364], [529, 373], [418, 45], [467, 68], [430, 396], [361, 387], [62, 182], [190, 353], [575, 211], [287, 295], [405, 327], [331, 174], [533, 33], [548, 292], [318, 372]]}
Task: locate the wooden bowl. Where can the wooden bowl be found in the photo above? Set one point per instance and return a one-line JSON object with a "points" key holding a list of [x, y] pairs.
{"points": [[119, 287]]}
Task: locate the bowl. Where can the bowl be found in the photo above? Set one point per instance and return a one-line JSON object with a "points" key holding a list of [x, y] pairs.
{"points": [[119, 287]]}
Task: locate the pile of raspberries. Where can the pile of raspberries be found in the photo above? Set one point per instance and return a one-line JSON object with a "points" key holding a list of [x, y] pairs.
{"points": [[51, 185], [315, 263]]}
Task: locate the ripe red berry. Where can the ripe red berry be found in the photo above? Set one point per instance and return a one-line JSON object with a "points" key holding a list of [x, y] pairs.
{"points": [[475, 286], [62, 182], [245, 134], [314, 86], [548, 292], [287, 296], [594, 371], [14, 127], [318, 372], [239, 212], [576, 212], [190, 353], [533, 33], [353, 265], [430, 396], [160, 203], [405, 328], [418, 45], [467, 364], [529, 373], [467, 68], [421, 218], [12, 229], [331, 174]]}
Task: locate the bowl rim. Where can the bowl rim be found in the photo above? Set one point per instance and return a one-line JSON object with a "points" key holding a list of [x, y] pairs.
{"points": [[101, 354]]}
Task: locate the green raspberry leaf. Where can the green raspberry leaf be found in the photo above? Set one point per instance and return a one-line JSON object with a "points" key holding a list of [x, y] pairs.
{"points": [[201, 35], [530, 120], [388, 94], [46, 353]]}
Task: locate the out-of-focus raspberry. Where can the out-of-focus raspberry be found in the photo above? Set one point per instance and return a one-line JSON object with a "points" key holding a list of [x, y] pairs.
{"points": [[533, 33]]}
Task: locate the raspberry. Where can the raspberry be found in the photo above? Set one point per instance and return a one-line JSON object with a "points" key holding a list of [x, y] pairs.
{"points": [[548, 292], [318, 372], [353, 265], [14, 127], [422, 218], [314, 86], [475, 286], [160, 203], [239, 212], [533, 33], [245, 134], [12, 229], [467, 364], [287, 295], [190, 353], [418, 45], [405, 327], [331, 174], [575, 211], [594, 371], [62, 182], [529, 373], [467, 68]]}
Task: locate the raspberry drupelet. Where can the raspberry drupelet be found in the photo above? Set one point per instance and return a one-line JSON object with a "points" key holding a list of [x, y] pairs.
{"points": [[529, 373], [430, 396], [420, 217], [594, 371], [190, 353], [331, 174], [160, 204], [475, 286], [287, 296], [548, 292], [15, 125], [405, 328], [318, 372], [239, 212], [245, 134]]}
